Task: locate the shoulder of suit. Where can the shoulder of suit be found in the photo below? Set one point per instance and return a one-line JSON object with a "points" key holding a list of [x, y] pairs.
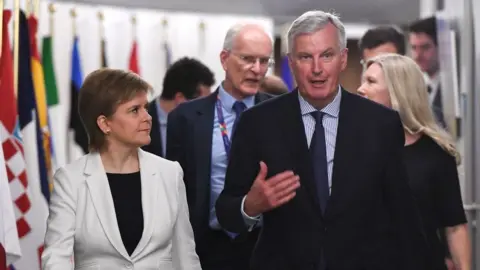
{"points": [[160, 163]]}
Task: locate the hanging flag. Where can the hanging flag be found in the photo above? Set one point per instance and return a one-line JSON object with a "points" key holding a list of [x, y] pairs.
{"points": [[9, 242], [32, 229], [104, 53], [12, 161], [286, 74], [133, 63], [52, 97], [41, 105], [80, 135]]}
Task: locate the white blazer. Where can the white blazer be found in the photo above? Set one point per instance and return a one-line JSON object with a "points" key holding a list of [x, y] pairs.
{"points": [[82, 222]]}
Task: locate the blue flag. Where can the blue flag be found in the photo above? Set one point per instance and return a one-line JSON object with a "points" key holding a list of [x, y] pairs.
{"points": [[286, 74]]}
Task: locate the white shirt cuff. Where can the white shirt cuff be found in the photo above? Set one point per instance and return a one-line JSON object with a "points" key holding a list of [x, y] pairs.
{"points": [[249, 221]]}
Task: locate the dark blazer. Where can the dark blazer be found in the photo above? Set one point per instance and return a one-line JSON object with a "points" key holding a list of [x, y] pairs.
{"points": [[155, 147], [370, 221], [189, 137]]}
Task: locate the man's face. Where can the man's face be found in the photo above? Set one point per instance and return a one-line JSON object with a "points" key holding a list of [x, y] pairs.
{"points": [[388, 47], [248, 61], [317, 61], [424, 52]]}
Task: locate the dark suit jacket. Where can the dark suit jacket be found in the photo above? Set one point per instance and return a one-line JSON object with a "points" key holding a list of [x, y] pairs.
{"points": [[370, 221], [189, 141], [437, 107], [155, 147]]}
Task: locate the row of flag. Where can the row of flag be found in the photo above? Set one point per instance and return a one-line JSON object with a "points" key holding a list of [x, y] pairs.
{"points": [[27, 156]]}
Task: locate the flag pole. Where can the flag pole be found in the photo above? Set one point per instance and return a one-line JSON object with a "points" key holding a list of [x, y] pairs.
{"points": [[73, 13], [101, 32], [134, 27], [36, 8], [51, 9], [16, 40]]}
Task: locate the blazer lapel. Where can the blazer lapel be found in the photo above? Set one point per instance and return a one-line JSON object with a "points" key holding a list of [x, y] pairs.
{"points": [[296, 137], [346, 148], [103, 202], [149, 180], [260, 97], [203, 125]]}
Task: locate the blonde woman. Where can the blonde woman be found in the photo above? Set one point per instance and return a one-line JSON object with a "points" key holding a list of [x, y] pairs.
{"points": [[430, 155]]}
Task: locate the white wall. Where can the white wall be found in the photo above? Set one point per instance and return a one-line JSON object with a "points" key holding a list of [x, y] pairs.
{"points": [[183, 35]]}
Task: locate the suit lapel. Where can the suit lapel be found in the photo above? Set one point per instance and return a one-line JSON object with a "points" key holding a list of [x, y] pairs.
{"points": [[260, 97], [346, 149], [150, 181], [296, 137], [103, 202], [203, 125]]}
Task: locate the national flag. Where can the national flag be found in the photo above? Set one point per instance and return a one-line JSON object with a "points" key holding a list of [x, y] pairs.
{"points": [[103, 52], [52, 97], [133, 62], [12, 160], [42, 111], [286, 74], [80, 135], [32, 225], [9, 242]]}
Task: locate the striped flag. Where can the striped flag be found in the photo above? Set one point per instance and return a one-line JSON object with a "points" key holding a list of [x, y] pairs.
{"points": [[76, 79], [103, 50], [168, 54], [32, 219], [42, 111], [52, 97], [12, 161]]}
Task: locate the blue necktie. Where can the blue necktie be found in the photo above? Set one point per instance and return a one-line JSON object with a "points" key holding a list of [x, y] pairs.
{"points": [[319, 158], [238, 108]]}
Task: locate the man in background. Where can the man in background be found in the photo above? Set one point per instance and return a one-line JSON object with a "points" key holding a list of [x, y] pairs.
{"points": [[382, 39], [274, 85], [424, 46], [185, 79]]}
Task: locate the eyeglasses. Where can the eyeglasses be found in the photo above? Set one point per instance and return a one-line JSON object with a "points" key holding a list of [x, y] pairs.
{"points": [[249, 60]]}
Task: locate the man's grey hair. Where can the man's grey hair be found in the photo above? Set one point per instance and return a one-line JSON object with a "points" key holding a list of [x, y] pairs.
{"points": [[313, 21], [232, 33]]}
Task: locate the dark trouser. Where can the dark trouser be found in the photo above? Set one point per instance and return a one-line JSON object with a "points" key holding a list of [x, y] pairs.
{"points": [[225, 253]]}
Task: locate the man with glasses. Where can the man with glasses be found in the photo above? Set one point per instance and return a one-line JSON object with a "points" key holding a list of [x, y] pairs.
{"points": [[199, 137]]}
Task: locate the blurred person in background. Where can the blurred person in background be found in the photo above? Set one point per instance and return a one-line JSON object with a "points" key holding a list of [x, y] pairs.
{"points": [[430, 155], [382, 39], [186, 79], [424, 46], [118, 206], [274, 85], [199, 136]]}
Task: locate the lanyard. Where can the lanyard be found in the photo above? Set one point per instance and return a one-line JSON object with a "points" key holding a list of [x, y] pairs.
{"points": [[223, 126]]}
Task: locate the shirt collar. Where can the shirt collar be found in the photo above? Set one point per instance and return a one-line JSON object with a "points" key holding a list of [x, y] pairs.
{"points": [[162, 115], [227, 99], [332, 109]]}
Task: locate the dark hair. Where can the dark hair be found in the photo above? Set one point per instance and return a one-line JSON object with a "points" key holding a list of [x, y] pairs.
{"points": [[381, 35], [427, 26], [184, 76], [101, 93]]}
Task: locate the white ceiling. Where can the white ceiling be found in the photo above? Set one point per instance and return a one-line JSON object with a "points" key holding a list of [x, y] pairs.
{"points": [[353, 11]]}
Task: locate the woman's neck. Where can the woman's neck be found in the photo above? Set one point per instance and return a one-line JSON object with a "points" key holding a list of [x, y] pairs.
{"points": [[120, 160], [411, 138]]}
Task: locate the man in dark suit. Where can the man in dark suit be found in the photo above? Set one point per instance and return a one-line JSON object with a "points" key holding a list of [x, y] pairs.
{"points": [[322, 169], [199, 137], [185, 79], [424, 45]]}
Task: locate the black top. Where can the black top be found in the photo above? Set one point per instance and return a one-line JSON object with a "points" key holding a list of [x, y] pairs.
{"points": [[434, 181], [126, 191]]}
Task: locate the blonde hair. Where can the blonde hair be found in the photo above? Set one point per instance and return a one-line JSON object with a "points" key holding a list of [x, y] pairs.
{"points": [[409, 97]]}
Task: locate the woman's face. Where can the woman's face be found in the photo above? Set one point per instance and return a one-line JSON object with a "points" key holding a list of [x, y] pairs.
{"points": [[130, 124], [374, 87]]}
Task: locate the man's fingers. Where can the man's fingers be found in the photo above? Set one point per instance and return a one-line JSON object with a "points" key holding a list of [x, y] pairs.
{"points": [[276, 179]]}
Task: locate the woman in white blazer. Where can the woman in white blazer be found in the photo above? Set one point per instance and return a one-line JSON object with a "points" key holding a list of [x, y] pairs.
{"points": [[118, 207]]}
